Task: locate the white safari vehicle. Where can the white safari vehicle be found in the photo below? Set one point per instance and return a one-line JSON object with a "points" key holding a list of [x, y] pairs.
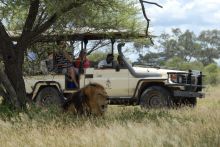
{"points": [[133, 85]]}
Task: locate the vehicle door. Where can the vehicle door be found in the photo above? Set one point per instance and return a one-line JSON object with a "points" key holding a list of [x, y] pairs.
{"points": [[115, 82]]}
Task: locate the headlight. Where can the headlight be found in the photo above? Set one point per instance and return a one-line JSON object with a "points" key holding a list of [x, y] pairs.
{"points": [[173, 78], [176, 78]]}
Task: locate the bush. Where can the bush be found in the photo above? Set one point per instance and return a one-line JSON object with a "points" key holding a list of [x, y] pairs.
{"points": [[212, 74], [180, 64], [211, 71], [175, 62]]}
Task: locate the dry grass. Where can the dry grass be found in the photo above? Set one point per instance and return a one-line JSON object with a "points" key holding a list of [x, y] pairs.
{"points": [[121, 126]]}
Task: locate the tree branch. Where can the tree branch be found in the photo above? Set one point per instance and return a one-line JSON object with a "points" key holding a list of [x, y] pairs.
{"points": [[153, 3], [29, 23], [5, 41], [3, 2], [4, 37], [33, 11], [42, 17], [53, 18], [145, 15], [97, 46]]}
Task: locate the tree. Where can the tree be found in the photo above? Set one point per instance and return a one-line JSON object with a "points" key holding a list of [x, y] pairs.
{"points": [[41, 15], [210, 46], [183, 45], [34, 17], [188, 47], [212, 72]]}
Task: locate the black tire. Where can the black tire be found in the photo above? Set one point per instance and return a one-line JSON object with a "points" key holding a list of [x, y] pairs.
{"points": [[155, 97], [49, 96]]}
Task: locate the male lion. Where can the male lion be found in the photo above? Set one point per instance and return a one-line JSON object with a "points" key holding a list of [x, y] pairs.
{"points": [[92, 99]]}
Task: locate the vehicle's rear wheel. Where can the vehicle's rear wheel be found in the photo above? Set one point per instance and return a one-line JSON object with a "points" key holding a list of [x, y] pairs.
{"points": [[49, 96], [155, 97]]}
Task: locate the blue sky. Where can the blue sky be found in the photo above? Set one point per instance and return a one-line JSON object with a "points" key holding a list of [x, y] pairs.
{"points": [[194, 15]]}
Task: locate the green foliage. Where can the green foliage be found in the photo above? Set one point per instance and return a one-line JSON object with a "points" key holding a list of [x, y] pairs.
{"points": [[106, 15], [211, 71], [102, 14], [187, 46], [91, 15], [14, 13], [141, 43], [178, 63], [212, 74], [175, 62], [6, 112], [210, 46], [97, 56]]}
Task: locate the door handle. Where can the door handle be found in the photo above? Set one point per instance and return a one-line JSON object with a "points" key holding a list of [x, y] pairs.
{"points": [[88, 76]]}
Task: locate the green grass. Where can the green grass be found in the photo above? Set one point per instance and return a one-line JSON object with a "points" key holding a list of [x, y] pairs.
{"points": [[121, 126]]}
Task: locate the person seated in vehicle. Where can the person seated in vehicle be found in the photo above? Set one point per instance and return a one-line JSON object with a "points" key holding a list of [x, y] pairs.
{"points": [[107, 63], [120, 62], [82, 61], [64, 62]]}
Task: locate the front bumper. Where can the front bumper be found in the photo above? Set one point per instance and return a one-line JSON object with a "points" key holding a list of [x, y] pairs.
{"points": [[179, 93]]}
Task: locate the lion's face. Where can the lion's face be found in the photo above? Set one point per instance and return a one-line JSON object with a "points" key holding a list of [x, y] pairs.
{"points": [[96, 99]]}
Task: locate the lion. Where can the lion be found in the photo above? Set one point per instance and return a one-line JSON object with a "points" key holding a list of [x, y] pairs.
{"points": [[92, 99]]}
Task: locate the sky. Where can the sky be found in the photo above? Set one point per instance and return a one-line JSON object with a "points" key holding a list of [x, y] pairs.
{"points": [[194, 15]]}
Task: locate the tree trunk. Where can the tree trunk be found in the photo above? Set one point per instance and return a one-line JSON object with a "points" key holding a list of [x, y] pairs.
{"points": [[13, 69], [6, 89], [15, 76]]}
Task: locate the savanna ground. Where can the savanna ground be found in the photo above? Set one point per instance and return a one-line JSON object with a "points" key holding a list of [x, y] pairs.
{"points": [[121, 126]]}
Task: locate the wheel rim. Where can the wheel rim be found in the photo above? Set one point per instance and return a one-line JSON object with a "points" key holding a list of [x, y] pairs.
{"points": [[47, 100], [156, 100]]}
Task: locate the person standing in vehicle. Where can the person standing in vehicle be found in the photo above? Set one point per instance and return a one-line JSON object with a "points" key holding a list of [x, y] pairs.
{"points": [[82, 60], [64, 62]]}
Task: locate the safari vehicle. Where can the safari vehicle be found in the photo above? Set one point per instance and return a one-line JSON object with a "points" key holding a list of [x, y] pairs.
{"points": [[150, 87]]}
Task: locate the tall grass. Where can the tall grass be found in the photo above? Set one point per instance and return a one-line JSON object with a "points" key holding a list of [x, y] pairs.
{"points": [[121, 126]]}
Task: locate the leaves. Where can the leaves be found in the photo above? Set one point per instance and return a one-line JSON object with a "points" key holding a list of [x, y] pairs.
{"points": [[188, 47]]}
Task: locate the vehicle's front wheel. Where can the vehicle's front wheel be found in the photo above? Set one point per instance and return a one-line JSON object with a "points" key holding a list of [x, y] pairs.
{"points": [[49, 96], [155, 97]]}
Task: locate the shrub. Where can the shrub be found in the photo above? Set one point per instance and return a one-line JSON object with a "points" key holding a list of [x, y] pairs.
{"points": [[180, 64], [212, 74]]}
